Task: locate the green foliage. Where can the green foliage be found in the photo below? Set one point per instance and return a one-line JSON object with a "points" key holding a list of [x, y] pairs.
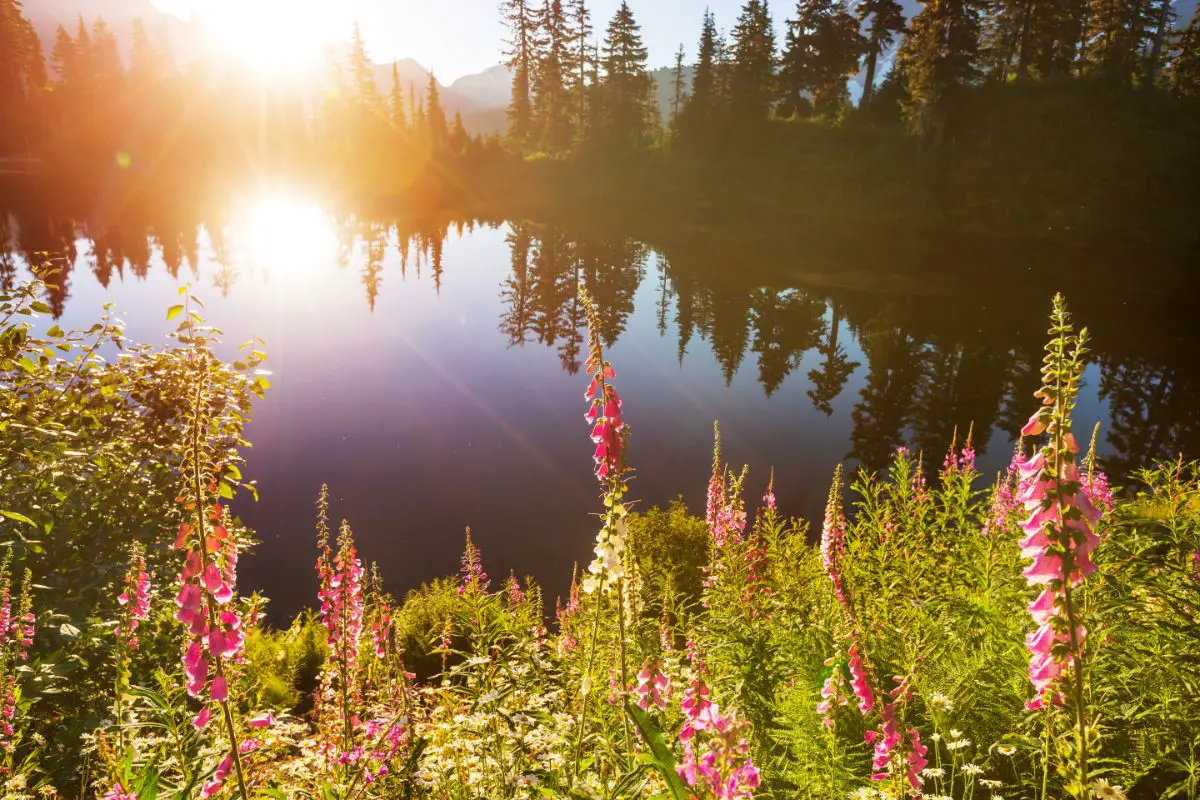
{"points": [[284, 665], [669, 548], [915, 591], [92, 435]]}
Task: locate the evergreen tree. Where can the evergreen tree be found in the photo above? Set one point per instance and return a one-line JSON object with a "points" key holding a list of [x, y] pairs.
{"points": [[365, 90], [63, 59], [35, 60], [459, 137], [1164, 20], [105, 61], [628, 104], [1184, 71], [699, 111], [679, 92], [435, 114], [396, 101], [1026, 38], [723, 85], [521, 19], [823, 46], [15, 61], [416, 112], [753, 76], [581, 32], [884, 19], [1119, 33], [551, 101], [146, 64], [940, 53]]}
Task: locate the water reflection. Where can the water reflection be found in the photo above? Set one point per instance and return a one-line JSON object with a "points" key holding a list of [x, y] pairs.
{"points": [[850, 373]]}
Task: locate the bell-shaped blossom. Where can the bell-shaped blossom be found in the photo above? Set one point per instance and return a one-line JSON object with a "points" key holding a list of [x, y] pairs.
{"points": [[653, 686], [1061, 510], [134, 601], [716, 759], [833, 538], [859, 683]]}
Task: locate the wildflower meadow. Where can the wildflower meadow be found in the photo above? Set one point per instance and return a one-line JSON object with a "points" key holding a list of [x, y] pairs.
{"points": [[939, 634]]}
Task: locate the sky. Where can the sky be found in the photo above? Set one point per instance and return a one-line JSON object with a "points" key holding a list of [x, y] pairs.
{"points": [[461, 37]]}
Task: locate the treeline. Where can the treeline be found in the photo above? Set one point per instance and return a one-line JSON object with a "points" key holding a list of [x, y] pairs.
{"points": [[98, 107], [1073, 119], [570, 92]]}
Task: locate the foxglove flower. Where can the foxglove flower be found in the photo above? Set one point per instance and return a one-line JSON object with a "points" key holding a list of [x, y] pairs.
{"points": [[653, 686], [134, 600], [833, 537], [1059, 536]]}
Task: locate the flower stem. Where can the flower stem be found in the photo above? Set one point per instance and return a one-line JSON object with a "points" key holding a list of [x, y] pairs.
{"points": [[198, 489]]}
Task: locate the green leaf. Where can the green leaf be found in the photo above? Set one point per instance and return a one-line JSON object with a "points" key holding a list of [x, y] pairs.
{"points": [[664, 759], [149, 790], [40, 307], [18, 517], [226, 491], [174, 311], [69, 631], [54, 332]]}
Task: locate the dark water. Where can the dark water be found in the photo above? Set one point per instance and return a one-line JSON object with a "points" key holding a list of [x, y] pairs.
{"points": [[429, 373]]}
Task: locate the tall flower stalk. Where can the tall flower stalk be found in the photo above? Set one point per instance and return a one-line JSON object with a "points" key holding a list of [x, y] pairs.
{"points": [[16, 636], [1059, 535], [341, 612], [206, 594], [606, 573], [134, 608]]}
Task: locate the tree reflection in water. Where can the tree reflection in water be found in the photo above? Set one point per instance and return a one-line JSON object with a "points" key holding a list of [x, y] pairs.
{"points": [[922, 373]]}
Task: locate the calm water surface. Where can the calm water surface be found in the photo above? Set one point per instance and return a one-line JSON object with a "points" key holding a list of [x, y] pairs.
{"points": [[430, 375]]}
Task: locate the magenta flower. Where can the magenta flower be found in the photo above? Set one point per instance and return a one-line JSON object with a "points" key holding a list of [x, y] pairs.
{"points": [[473, 578], [117, 792], [653, 687], [769, 497], [859, 683], [341, 612], [917, 760], [833, 694], [516, 596], [215, 637], [604, 415], [134, 600], [959, 462], [217, 782], [725, 769], [1059, 537], [381, 628], [833, 537]]}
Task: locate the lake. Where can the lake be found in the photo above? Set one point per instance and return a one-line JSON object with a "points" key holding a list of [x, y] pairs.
{"points": [[429, 371]]}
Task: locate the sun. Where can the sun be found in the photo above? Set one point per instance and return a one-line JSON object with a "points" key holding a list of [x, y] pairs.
{"points": [[273, 36], [286, 235]]}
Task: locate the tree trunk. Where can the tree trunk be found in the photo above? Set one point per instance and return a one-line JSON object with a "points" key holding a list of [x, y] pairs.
{"points": [[869, 81], [1159, 36]]}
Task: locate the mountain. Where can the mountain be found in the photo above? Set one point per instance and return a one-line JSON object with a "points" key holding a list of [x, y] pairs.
{"points": [[488, 89], [482, 99]]}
